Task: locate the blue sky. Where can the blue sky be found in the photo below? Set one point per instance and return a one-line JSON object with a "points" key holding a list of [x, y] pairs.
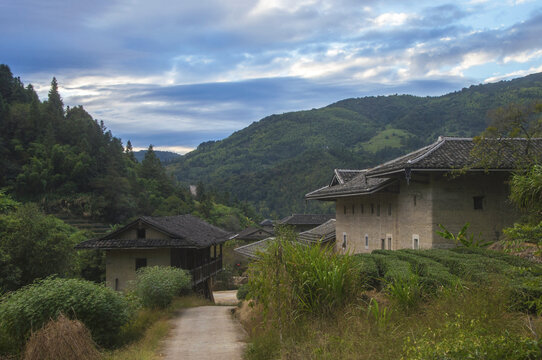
{"points": [[177, 73]]}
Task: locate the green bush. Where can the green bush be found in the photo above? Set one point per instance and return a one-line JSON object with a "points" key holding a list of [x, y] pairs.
{"points": [[462, 339], [367, 270], [158, 285], [242, 292], [102, 310]]}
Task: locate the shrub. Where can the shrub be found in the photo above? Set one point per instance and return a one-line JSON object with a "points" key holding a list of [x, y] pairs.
{"points": [[157, 285], [460, 339], [407, 292], [61, 339], [242, 292], [102, 310]]}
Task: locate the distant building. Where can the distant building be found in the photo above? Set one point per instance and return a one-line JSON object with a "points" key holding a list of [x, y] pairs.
{"points": [[253, 233], [400, 203], [182, 241], [304, 222]]}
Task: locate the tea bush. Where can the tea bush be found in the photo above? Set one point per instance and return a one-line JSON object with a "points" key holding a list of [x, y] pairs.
{"points": [[102, 310], [158, 285], [242, 292]]}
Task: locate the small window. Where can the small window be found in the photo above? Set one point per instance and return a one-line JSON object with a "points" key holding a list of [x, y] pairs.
{"points": [[140, 262], [372, 209], [344, 240], [344, 210], [361, 208], [353, 208], [478, 202], [116, 284], [389, 242], [377, 209], [414, 200], [383, 244], [415, 242], [366, 241], [141, 233], [389, 209]]}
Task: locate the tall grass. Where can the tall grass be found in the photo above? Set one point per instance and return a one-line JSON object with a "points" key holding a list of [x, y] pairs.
{"points": [[292, 279]]}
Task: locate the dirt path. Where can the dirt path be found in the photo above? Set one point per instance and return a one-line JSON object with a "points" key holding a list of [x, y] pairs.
{"points": [[205, 332]]}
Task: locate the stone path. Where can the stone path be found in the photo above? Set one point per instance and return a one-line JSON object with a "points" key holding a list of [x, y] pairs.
{"points": [[205, 332]]}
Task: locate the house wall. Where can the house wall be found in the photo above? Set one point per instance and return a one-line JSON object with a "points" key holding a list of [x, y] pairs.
{"points": [[120, 264], [418, 207], [408, 217], [150, 233], [453, 204]]}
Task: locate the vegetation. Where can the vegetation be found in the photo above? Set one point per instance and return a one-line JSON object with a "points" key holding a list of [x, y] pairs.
{"points": [[465, 303], [156, 286], [102, 310], [462, 239], [305, 146]]}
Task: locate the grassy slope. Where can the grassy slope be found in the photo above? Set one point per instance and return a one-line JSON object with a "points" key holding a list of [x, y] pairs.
{"points": [[295, 152]]}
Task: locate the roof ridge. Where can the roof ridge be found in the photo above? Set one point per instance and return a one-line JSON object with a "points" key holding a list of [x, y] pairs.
{"points": [[441, 140]]}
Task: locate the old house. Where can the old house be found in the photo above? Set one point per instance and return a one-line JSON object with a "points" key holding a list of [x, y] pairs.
{"points": [[400, 203], [183, 241], [253, 233]]}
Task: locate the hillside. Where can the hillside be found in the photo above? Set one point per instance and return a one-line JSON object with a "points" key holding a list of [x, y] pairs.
{"points": [[273, 162], [164, 156]]}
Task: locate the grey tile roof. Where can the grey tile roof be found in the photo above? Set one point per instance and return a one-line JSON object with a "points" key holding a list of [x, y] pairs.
{"points": [[253, 250], [323, 233], [182, 231], [360, 184], [344, 175], [251, 232], [446, 154], [455, 153], [306, 219]]}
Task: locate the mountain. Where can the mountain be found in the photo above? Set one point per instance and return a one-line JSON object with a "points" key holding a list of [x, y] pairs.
{"points": [[165, 157], [273, 162]]}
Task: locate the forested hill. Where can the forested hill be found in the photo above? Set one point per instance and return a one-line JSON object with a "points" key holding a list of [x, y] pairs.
{"points": [[273, 162], [71, 165], [164, 156]]}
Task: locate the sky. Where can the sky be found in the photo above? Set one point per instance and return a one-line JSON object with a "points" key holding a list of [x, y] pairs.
{"points": [[177, 73]]}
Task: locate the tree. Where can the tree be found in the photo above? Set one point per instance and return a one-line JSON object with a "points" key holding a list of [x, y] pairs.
{"points": [[54, 101]]}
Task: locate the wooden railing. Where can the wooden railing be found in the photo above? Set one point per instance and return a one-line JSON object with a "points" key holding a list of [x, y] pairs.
{"points": [[202, 273]]}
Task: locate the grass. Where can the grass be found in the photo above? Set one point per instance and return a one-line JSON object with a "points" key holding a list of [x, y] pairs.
{"points": [[149, 328], [427, 304], [389, 138]]}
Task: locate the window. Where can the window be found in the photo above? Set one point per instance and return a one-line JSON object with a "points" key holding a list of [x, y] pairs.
{"points": [[140, 262], [377, 209], [478, 202], [353, 208], [344, 240], [361, 208], [414, 200], [141, 233], [389, 209], [344, 209], [415, 241], [366, 241], [372, 208], [383, 244], [116, 284], [389, 241]]}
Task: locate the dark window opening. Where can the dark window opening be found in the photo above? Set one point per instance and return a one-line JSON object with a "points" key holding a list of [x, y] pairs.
{"points": [[389, 209], [362, 208], [344, 241], [140, 262], [478, 202], [383, 244], [414, 200], [353, 208], [372, 208], [141, 233], [345, 210], [377, 209], [116, 284]]}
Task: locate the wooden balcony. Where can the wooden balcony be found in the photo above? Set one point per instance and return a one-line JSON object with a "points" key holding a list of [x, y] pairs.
{"points": [[202, 273]]}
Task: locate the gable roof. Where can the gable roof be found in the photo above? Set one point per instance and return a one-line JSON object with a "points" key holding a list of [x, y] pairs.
{"points": [[446, 154], [251, 231], [360, 184], [181, 230], [323, 233], [253, 249], [306, 219], [342, 176], [449, 153]]}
